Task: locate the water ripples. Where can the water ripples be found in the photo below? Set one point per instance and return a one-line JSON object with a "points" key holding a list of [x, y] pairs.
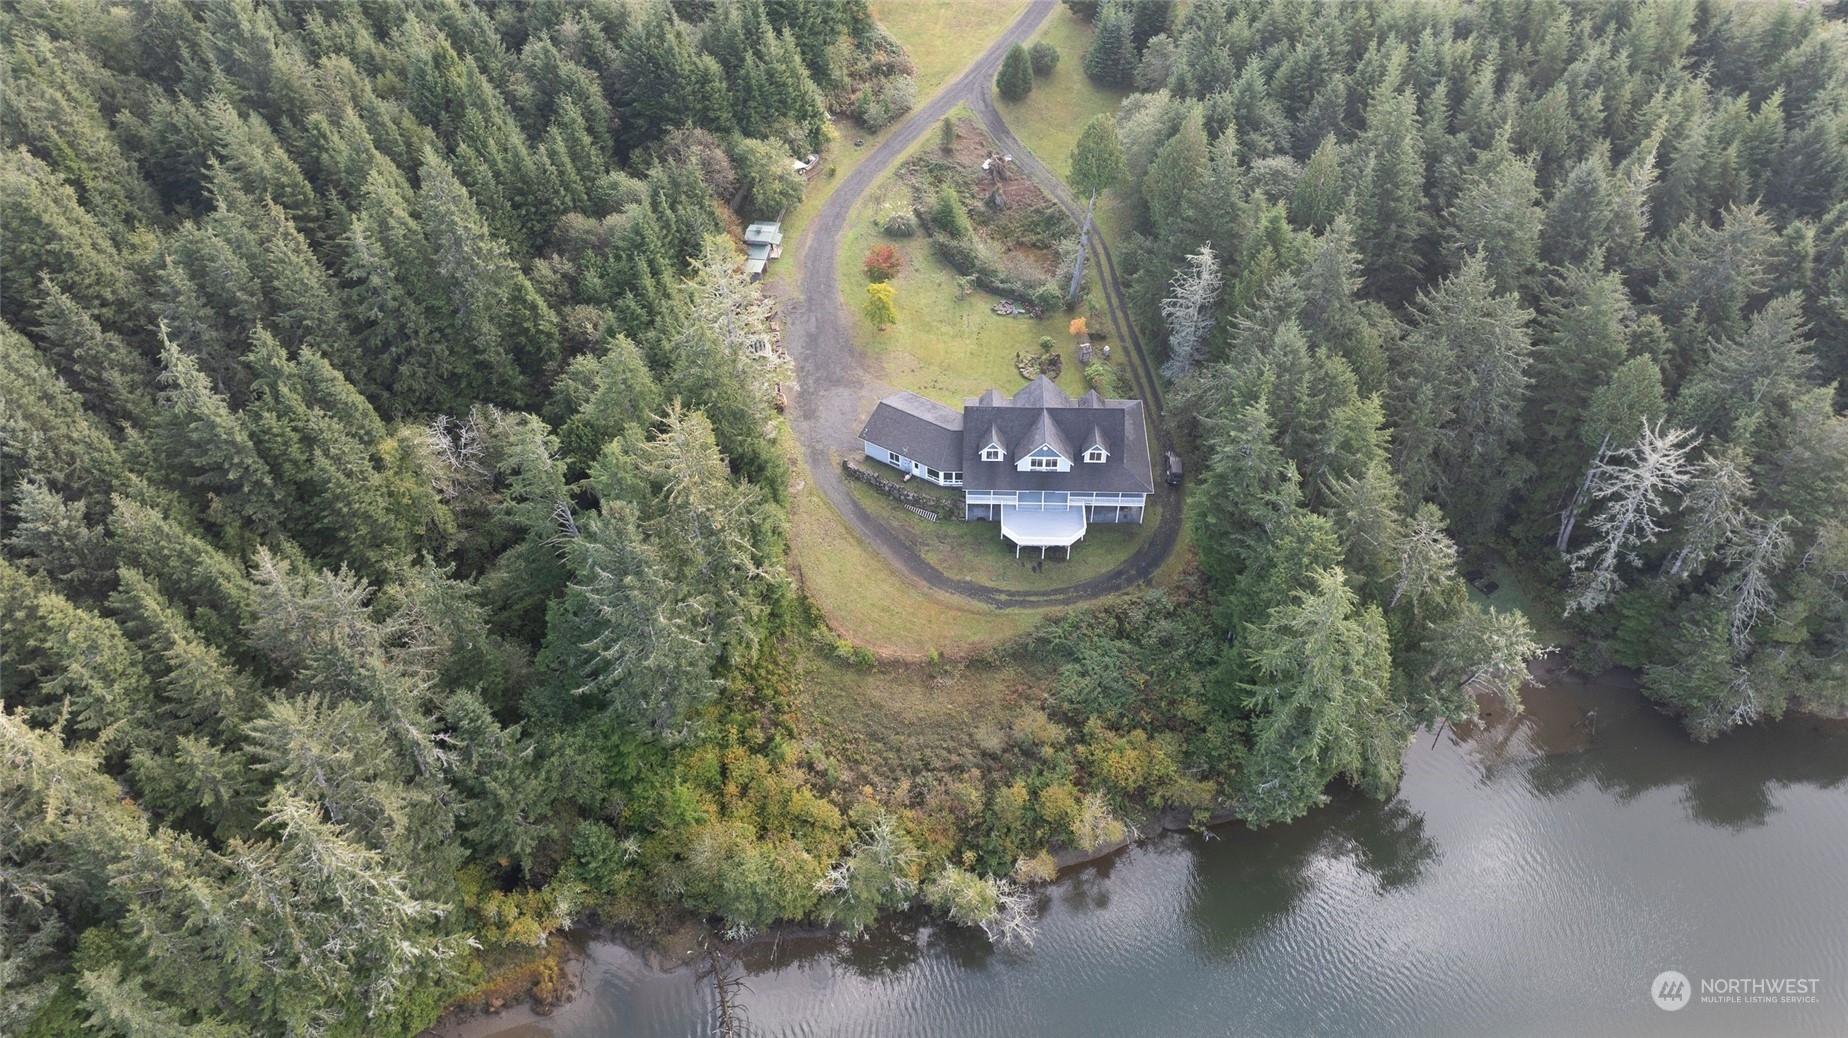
{"points": [[1507, 890]]}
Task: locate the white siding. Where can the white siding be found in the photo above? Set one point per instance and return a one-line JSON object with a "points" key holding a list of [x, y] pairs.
{"points": [[916, 468]]}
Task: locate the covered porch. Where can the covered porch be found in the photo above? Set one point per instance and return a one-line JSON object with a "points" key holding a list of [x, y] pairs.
{"points": [[1034, 528]]}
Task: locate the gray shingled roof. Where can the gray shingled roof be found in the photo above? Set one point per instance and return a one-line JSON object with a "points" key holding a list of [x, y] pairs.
{"points": [[1041, 407], [1042, 392], [1044, 432], [920, 429], [926, 431]]}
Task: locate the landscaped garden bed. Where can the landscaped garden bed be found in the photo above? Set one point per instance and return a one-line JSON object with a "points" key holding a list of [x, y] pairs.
{"points": [[948, 341]]}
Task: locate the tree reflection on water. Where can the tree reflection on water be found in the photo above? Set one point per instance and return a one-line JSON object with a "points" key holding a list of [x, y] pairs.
{"points": [[1259, 876], [1729, 783]]}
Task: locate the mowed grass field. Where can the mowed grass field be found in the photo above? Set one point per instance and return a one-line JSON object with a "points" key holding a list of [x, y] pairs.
{"points": [[943, 346], [975, 551], [1050, 119], [870, 603], [944, 36]]}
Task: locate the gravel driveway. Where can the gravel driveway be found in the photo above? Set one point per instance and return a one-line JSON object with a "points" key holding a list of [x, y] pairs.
{"points": [[836, 389]]}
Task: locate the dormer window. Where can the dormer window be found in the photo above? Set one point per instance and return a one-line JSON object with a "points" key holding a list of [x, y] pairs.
{"points": [[1043, 464], [992, 452], [1095, 456]]}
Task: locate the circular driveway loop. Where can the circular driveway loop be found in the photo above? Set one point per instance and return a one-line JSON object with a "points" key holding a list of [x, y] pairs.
{"points": [[836, 390]]}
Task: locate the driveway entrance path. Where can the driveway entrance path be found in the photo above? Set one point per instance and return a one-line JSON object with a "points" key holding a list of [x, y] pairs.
{"points": [[836, 389]]}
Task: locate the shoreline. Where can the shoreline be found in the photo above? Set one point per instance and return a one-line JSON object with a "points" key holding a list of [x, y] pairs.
{"points": [[672, 951]]}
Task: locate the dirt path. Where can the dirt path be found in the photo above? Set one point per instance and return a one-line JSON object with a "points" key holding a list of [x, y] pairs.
{"points": [[836, 389]]}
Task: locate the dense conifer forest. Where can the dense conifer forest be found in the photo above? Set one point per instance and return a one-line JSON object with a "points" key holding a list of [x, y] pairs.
{"points": [[1562, 281], [394, 507]]}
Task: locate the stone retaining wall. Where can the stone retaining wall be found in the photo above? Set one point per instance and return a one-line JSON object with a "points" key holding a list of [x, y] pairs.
{"points": [[952, 507]]}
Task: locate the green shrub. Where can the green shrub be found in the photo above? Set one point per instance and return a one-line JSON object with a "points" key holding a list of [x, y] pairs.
{"points": [[901, 224], [948, 216], [1102, 378], [1045, 58]]}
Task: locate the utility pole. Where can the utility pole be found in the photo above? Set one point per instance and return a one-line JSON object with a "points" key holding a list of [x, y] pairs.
{"points": [[1084, 239]]}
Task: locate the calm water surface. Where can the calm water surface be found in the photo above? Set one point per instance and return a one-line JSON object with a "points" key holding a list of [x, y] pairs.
{"points": [[1528, 880]]}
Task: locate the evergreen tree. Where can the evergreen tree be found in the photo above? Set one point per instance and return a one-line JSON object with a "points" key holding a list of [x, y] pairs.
{"points": [[1111, 59], [113, 379], [1390, 219], [1318, 197], [1457, 396], [1097, 158], [948, 216], [1179, 165], [1497, 216], [1576, 231], [207, 450], [1321, 702], [1015, 80]]}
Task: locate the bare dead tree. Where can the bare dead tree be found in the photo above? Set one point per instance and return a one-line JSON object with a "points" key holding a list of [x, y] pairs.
{"points": [[567, 523], [728, 1013], [1632, 483], [459, 454], [1568, 518], [1745, 699], [1758, 555], [1189, 311], [1011, 924]]}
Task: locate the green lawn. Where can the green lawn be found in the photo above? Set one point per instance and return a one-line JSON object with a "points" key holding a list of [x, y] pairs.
{"points": [[942, 347], [1049, 119], [869, 603], [1549, 629], [975, 551], [944, 36]]}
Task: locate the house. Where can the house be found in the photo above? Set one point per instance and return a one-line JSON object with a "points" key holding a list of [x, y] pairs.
{"points": [[763, 242], [1043, 465]]}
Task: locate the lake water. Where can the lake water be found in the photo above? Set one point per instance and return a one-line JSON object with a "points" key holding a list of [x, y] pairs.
{"points": [[1528, 880]]}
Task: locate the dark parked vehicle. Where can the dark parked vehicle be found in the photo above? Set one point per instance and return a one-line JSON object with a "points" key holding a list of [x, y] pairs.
{"points": [[1174, 469]]}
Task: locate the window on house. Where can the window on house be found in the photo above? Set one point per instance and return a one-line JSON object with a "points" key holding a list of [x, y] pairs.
{"points": [[1043, 464], [932, 473], [1095, 455], [894, 458], [952, 477], [991, 453]]}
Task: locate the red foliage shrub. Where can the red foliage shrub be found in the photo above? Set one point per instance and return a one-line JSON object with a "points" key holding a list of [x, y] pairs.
{"points": [[883, 262]]}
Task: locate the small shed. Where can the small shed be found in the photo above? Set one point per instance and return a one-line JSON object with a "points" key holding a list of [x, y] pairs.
{"points": [[763, 242]]}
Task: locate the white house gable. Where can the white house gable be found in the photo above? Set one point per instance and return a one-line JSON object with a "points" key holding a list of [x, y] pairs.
{"points": [[1044, 458], [1034, 454]]}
